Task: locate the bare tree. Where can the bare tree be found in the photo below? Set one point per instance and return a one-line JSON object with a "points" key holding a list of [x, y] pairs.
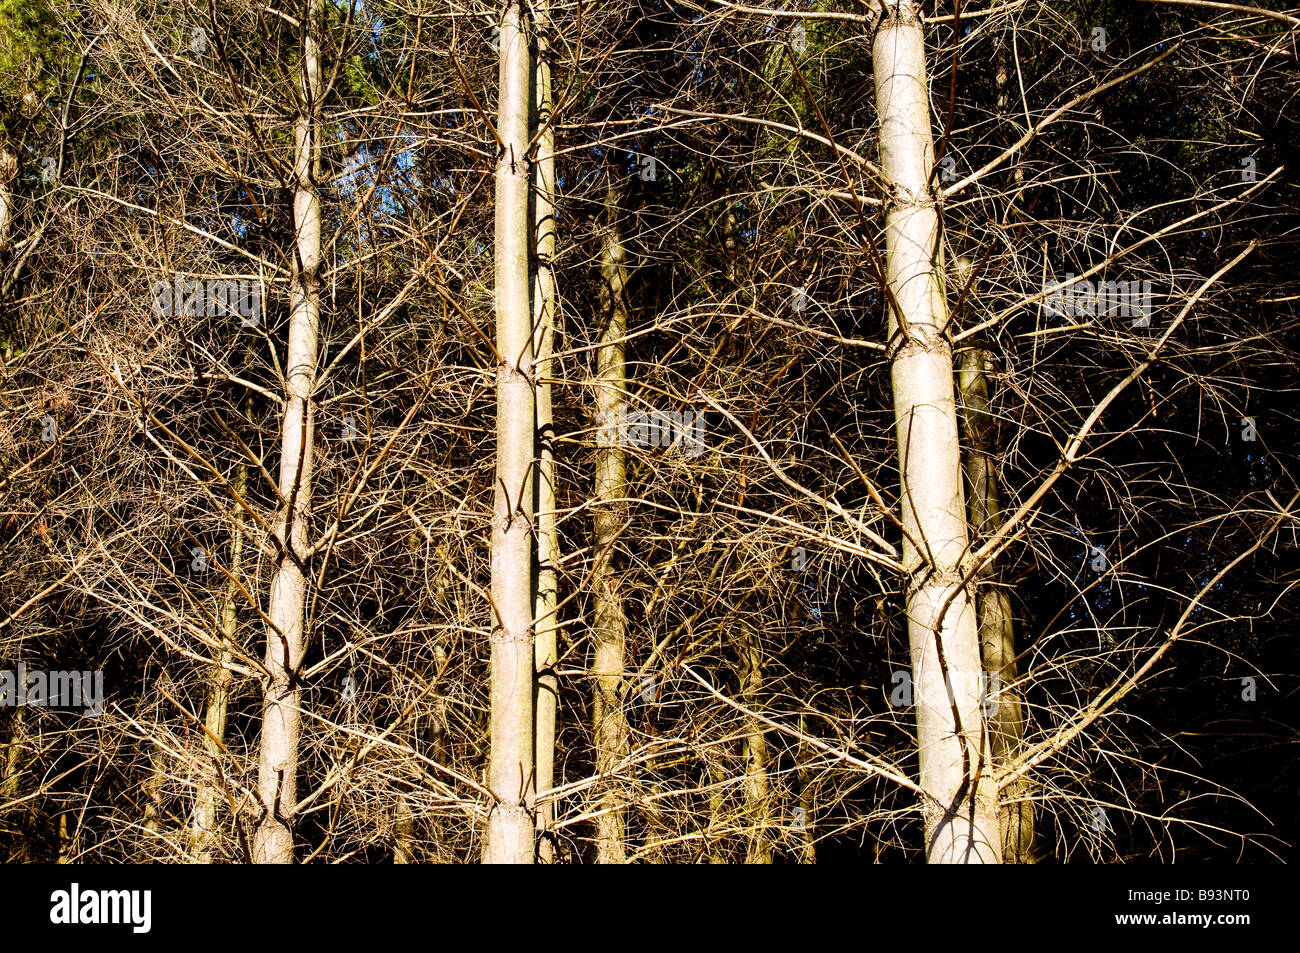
{"points": [[277, 784], [509, 836], [546, 612], [609, 725], [960, 794]]}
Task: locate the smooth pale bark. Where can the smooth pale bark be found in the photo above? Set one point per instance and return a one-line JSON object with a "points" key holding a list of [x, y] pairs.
{"points": [[509, 836], [960, 802], [208, 800], [547, 692], [609, 721], [286, 604], [997, 633]]}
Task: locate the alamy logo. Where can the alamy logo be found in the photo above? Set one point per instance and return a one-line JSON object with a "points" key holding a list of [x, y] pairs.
{"points": [[903, 692], [77, 906], [188, 297], [681, 429], [35, 688], [1081, 298]]}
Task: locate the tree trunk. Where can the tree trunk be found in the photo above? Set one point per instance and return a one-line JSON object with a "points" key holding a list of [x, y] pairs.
{"points": [[717, 826], [11, 763], [509, 838], [804, 825], [609, 721], [754, 749], [67, 844], [278, 763], [997, 634], [960, 802], [403, 831], [208, 799], [546, 699], [8, 173], [154, 808], [749, 651]]}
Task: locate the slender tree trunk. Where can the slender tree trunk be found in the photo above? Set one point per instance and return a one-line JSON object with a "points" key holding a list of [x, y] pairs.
{"points": [[609, 721], [403, 831], [11, 763], [208, 800], [960, 802], [438, 730], [757, 797], [547, 697], [286, 605], [67, 844], [997, 633], [153, 795], [509, 837], [8, 173], [749, 650], [657, 831], [808, 847], [717, 826]]}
